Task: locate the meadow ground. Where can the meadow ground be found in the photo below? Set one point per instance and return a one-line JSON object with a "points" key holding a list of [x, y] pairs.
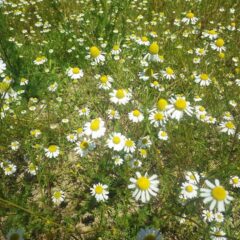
{"points": [[119, 120]]}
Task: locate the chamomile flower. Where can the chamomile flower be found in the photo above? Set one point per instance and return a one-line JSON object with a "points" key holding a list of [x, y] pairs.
{"points": [[84, 146], [40, 60], [75, 73], [227, 127], [53, 87], [208, 216], [135, 163], [84, 111], [201, 51], [218, 217], [15, 234], [192, 177], [144, 187], [235, 182], [58, 197], [189, 190], [24, 82], [100, 192], [105, 81], [152, 54], [96, 55], [203, 80], [32, 169], [168, 73], [113, 114], [216, 195], [120, 96], [52, 151], [217, 234], [116, 50], [218, 45], [129, 145], [95, 128], [227, 116], [36, 133], [190, 18], [9, 168], [143, 41], [157, 118], [72, 137], [144, 142], [2, 66], [116, 141], [178, 107], [149, 234], [211, 34], [135, 116], [147, 74], [117, 160], [15, 145], [143, 152]]}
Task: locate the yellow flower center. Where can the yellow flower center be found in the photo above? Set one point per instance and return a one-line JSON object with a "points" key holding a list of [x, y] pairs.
{"points": [[104, 79], [189, 188], [143, 152], [144, 39], [94, 52], [219, 193], [155, 83], [76, 70], [99, 189], [162, 104], [163, 134], [230, 125], [181, 104], [14, 236], [169, 71], [143, 183], [52, 148], [84, 145], [116, 140], [212, 32], [116, 47], [95, 125], [201, 109], [158, 116], [136, 113], [219, 42], [201, 50], [153, 48], [57, 195], [221, 55], [129, 143], [3, 87], [120, 93], [150, 237], [235, 180], [204, 77], [79, 130], [190, 15]]}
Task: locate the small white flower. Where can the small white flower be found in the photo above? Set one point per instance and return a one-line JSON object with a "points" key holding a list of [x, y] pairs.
{"points": [[189, 190], [95, 128], [135, 116], [58, 197], [32, 169], [116, 141], [100, 192], [162, 135], [228, 127], [75, 73], [52, 151], [149, 234], [218, 217], [208, 216], [235, 181]]}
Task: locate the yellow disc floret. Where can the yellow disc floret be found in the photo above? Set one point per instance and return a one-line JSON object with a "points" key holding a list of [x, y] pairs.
{"points": [[143, 183], [219, 193]]}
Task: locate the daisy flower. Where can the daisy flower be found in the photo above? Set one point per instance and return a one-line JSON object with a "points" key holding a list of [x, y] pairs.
{"points": [[129, 145], [15, 234], [192, 177], [201, 51], [216, 195], [218, 45], [72, 137], [152, 54], [83, 147], [217, 234], [162, 135], [189, 190], [235, 182], [116, 50], [120, 96], [203, 80], [100, 192], [135, 116], [190, 18], [211, 34], [178, 107], [32, 169], [168, 73], [147, 74], [96, 55], [24, 82], [117, 160], [52, 151], [228, 127], [149, 234], [144, 187], [58, 197], [84, 111], [162, 104], [105, 82], [75, 73], [53, 87], [145, 142], [135, 163], [9, 168], [218, 217], [157, 118], [208, 216], [2, 66], [95, 128], [143, 152], [40, 60], [15, 145], [143, 41], [116, 141], [113, 114]]}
